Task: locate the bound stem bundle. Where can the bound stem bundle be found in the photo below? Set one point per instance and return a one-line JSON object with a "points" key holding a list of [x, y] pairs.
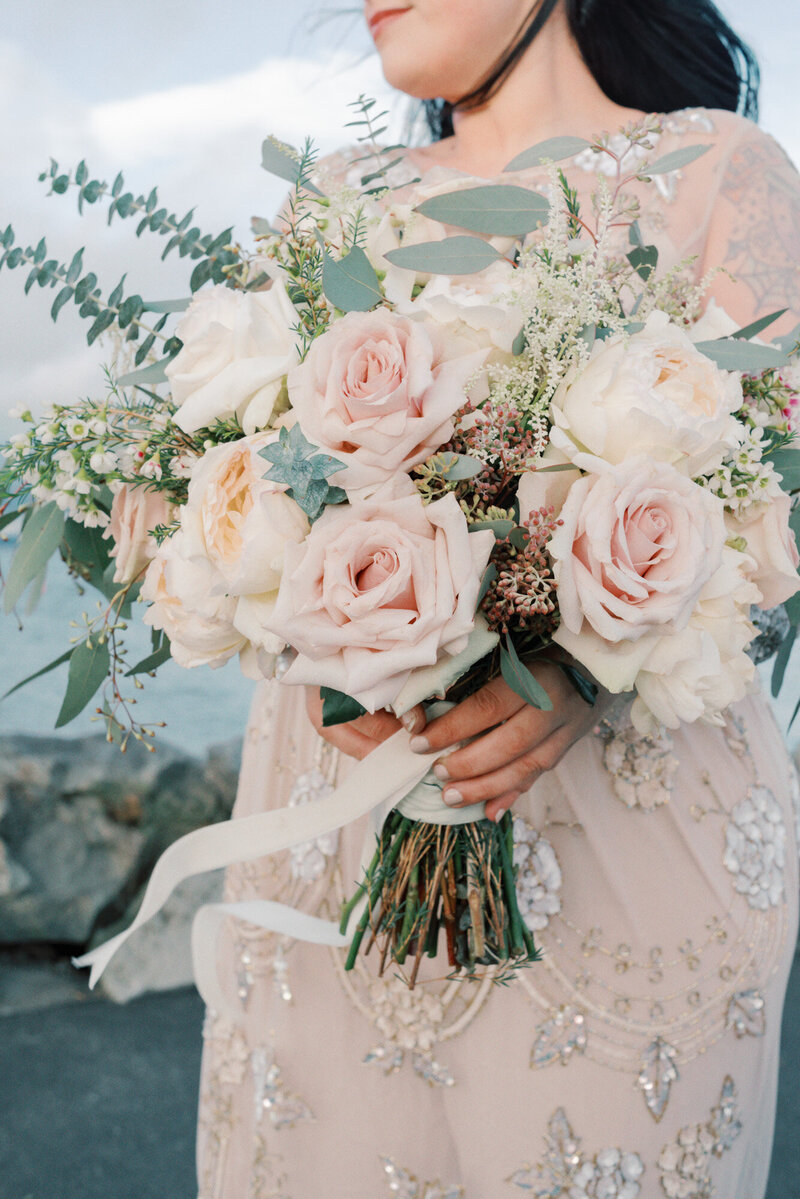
{"points": [[425, 879]]}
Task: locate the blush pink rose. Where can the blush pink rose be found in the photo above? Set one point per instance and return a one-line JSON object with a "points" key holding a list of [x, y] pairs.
{"points": [[771, 542], [378, 391], [135, 512], [379, 588], [634, 550]]}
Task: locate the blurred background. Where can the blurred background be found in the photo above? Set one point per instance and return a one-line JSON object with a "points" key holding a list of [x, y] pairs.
{"points": [[179, 96]]}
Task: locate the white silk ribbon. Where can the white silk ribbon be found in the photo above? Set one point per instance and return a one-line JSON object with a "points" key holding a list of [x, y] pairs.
{"points": [[390, 776]]}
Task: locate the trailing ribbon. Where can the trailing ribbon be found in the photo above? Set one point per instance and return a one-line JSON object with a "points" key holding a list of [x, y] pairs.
{"points": [[389, 775]]}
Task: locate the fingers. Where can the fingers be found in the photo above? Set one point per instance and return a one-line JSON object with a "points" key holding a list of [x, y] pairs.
{"points": [[497, 808], [515, 777], [490, 706], [526, 729], [414, 720], [347, 739], [378, 726], [356, 738]]}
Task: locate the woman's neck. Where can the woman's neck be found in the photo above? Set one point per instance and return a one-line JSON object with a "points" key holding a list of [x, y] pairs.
{"points": [[549, 93]]}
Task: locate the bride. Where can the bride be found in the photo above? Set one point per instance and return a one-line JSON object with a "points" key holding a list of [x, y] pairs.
{"points": [[640, 1057]]}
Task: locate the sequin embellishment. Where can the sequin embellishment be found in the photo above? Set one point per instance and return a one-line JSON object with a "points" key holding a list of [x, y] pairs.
{"points": [[406, 1186], [309, 860], [566, 1171], [538, 876], [642, 769], [755, 848], [685, 1163]]}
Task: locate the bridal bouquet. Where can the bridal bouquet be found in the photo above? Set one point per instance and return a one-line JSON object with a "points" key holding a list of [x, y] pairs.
{"points": [[404, 446]]}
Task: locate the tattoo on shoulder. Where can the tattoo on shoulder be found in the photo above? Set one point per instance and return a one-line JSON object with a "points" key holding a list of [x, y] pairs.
{"points": [[763, 187]]}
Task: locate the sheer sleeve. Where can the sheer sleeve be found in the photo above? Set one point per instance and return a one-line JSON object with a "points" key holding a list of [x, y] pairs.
{"points": [[754, 231]]}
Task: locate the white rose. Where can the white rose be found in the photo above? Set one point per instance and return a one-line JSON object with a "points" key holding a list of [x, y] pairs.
{"points": [[699, 672], [481, 302], [182, 591], [652, 394], [135, 511], [713, 323], [772, 546], [237, 350]]}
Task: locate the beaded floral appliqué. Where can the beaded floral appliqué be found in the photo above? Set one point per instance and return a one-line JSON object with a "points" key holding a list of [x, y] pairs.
{"points": [[404, 1185], [309, 860], [409, 1023], [566, 1171], [686, 1162], [755, 848], [538, 876], [642, 769]]}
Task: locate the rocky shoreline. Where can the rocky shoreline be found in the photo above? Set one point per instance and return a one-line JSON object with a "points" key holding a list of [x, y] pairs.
{"points": [[81, 826]]}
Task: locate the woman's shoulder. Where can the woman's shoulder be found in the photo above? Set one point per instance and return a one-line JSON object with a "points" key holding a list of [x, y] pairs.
{"points": [[725, 133]]}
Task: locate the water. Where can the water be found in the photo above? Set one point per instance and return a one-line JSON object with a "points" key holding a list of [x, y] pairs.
{"points": [[201, 706]]}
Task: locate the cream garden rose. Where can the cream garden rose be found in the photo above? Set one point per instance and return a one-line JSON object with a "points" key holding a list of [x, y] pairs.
{"points": [[378, 391], [634, 549], [237, 349], [135, 512], [379, 588], [185, 602], [697, 673], [653, 393], [772, 546], [241, 522]]}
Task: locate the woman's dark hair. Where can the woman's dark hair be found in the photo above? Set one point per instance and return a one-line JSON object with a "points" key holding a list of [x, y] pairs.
{"points": [[653, 55]]}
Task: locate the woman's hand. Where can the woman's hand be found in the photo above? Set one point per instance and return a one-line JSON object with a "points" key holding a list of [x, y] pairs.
{"points": [[357, 738], [514, 744]]}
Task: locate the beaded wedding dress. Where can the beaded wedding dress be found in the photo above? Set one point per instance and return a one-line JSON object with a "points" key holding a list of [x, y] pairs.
{"points": [[639, 1058]]}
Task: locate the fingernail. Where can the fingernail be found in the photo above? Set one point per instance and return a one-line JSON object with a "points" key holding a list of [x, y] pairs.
{"points": [[499, 816], [419, 745], [441, 772], [410, 721], [452, 797]]}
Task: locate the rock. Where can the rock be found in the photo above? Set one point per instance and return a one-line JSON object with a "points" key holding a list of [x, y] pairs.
{"points": [[81, 826], [158, 957]]}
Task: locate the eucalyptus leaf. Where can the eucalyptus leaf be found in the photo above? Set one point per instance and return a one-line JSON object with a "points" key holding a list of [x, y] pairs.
{"points": [[782, 660], [489, 576], [38, 541], [456, 467], [787, 463], [520, 679], [451, 256], [733, 354], [166, 305], [38, 673], [759, 326], [494, 209], [520, 343], [152, 661], [792, 609], [7, 518], [351, 283], [154, 373], [674, 161], [789, 342], [283, 160], [500, 528], [338, 708], [554, 149], [586, 689], [644, 260], [88, 668]]}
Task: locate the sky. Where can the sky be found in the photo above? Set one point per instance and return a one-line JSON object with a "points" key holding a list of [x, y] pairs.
{"points": [[183, 102]]}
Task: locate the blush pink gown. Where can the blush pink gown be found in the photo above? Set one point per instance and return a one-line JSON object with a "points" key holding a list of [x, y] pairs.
{"points": [[639, 1059]]}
